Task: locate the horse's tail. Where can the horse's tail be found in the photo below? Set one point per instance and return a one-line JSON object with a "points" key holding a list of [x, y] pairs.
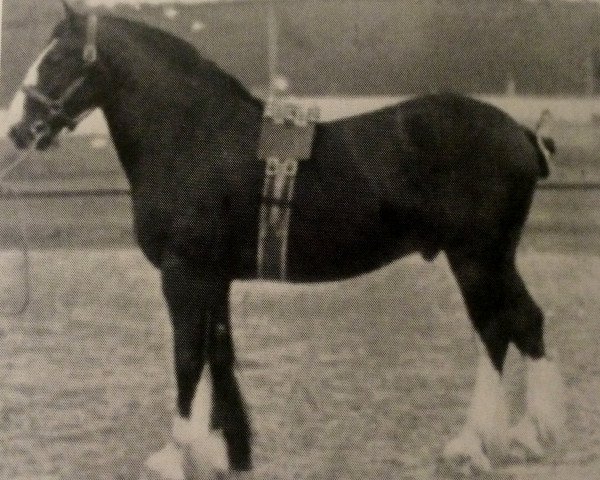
{"points": [[545, 148]]}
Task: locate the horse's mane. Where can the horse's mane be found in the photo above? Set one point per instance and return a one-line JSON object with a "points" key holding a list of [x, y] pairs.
{"points": [[180, 54]]}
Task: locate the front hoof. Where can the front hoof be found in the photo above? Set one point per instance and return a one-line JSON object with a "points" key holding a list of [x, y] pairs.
{"points": [[166, 464], [465, 455], [205, 459]]}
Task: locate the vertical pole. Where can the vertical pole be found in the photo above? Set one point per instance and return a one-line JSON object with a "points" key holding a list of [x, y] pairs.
{"points": [[272, 31], [0, 40]]}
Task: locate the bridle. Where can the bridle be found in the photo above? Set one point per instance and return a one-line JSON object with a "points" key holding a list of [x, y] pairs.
{"points": [[56, 106]]}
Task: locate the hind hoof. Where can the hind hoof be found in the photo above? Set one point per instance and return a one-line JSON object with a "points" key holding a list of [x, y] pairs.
{"points": [[166, 464], [530, 441], [465, 455]]}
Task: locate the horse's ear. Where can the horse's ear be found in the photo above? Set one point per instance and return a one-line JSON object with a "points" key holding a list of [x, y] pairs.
{"points": [[74, 11], [69, 11]]}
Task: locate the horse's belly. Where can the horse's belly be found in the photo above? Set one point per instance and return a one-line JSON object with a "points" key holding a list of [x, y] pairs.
{"points": [[324, 248]]}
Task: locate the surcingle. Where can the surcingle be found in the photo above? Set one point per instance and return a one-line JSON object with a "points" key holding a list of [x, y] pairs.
{"points": [[286, 139]]}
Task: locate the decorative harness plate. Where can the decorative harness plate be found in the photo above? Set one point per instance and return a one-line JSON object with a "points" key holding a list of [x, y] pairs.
{"points": [[286, 139]]}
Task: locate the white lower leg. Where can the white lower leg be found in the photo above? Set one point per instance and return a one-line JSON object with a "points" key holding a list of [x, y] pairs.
{"points": [[543, 424], [166, 464], [485, 431], [204, 448], [545, 398], [488, 412]]}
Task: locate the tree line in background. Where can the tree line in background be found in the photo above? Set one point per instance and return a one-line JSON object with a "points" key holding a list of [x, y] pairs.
{"points": [[364, 47]]}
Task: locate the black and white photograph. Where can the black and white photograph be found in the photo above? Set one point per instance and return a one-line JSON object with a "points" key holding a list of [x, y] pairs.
{"points": [[299, 239]]}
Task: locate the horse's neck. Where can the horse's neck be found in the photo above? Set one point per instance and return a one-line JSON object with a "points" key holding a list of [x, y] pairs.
{"points": [[146, 114]]}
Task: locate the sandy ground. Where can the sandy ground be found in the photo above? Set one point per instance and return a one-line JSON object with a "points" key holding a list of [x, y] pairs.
{"points": [[354, 380]]}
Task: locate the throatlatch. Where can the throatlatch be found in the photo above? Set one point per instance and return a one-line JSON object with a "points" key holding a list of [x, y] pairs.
{"points": [[286, 139]]}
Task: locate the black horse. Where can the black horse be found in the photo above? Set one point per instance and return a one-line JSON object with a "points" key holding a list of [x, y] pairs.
{"points": [[441, 173]]}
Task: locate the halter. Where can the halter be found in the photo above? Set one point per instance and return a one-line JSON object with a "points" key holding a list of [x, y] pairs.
{"points": [[56, 106]]}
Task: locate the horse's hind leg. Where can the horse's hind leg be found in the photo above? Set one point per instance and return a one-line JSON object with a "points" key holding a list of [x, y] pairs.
{"points": [[543, 423], [485, 433], [503, 311]]}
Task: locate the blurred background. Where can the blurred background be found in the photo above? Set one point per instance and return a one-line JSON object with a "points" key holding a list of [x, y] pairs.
{"points": [[362, 47]]}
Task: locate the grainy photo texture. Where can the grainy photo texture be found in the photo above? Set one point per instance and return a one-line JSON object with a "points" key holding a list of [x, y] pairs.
{"points": [[311, 239]]}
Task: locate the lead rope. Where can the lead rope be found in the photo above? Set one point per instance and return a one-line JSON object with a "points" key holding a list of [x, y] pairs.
{"points": [[90, 56], [24, 245]]}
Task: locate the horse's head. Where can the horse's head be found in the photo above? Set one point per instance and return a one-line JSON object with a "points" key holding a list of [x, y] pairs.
{"points": [[61, 86]]}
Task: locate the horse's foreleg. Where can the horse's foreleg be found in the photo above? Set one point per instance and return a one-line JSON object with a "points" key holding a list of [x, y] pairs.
{"points": [[484, 436], [229, 414], [197, 451]]}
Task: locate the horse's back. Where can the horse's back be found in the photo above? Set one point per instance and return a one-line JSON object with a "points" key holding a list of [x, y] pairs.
{"points": [[416, 176]]}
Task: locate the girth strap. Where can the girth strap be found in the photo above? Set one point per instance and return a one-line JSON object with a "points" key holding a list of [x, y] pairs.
{"points": [[286, 139], [275, 210]]}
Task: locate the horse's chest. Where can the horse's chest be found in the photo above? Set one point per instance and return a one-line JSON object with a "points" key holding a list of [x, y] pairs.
{"points": [[153, 217]]}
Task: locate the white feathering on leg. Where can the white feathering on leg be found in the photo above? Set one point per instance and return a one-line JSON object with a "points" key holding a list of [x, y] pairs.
{"points": [[166, 464], [543, 424], [545, 399], [485, 431], [488, 412], [205, 449]]}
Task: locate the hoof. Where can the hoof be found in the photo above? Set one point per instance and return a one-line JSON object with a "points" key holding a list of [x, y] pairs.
{"points": [[525, 444], [166, 464], [545, 402], [205, 459], [532, 439], [465, 454]]}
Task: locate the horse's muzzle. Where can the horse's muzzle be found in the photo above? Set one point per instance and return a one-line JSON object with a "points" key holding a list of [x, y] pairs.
{"points": [[23, 136]]}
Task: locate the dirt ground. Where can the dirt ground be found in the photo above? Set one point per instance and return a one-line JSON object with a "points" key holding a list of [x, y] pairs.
{"points": [[354, 380]]}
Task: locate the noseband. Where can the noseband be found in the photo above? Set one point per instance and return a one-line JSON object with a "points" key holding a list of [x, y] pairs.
{"points": [[56, 106]]}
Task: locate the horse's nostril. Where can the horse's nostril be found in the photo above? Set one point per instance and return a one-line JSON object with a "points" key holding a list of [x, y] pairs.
{"points": [[13, 134], [20, 136]]}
